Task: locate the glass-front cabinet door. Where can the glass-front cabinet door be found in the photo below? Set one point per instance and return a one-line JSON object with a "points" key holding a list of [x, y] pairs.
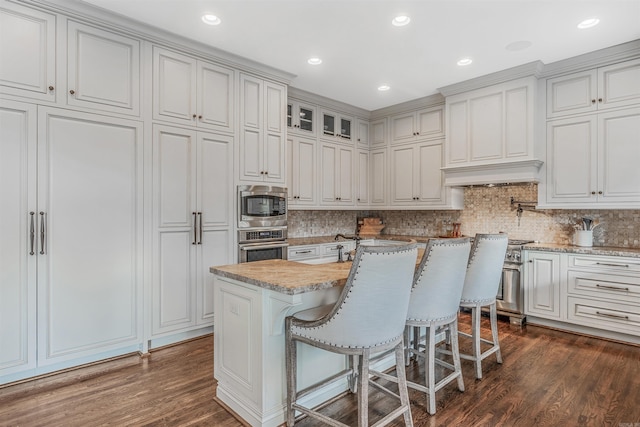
{"points": [[301, 118], [337, 127]]}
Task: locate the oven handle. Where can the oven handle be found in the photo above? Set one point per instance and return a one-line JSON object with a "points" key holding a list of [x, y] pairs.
{"points": [[255, 246]]}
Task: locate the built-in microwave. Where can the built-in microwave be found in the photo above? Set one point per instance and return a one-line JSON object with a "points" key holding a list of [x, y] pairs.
{"points": [[262, 206]]}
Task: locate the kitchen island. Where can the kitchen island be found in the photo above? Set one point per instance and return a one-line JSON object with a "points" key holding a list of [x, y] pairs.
{"points": [[251, 303]]}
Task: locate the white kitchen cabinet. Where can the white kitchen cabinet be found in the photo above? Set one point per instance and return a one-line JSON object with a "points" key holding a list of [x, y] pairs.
{"points": [[337, 127], [192, 92], [416, 178], [592, 161], [89, 235], [418, 125], [363, 172], [321, 253], [18, 251], [301, 118], [613, 86], [542, 275], [301, 171], [192, 217], [378, 177], [362, 127], [27, 52], [103, 70], [262, 130], [336, 175], [378, 133], [494, 124]]}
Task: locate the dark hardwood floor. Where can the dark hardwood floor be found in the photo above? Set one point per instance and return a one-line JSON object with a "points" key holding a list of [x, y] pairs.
{"points": [[548, 378]]}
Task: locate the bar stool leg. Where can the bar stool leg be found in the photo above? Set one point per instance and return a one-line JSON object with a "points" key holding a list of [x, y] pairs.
{"points": [[455, 350], [430, 369], [494, 330], [475, 332], [363, 389], [291, 369], [402, 385]]}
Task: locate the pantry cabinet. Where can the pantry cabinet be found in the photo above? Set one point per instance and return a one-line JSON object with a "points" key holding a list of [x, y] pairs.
{"points": [[193, 92], [336, 175], [418, 125], [613, 86], [103, 70], [301, 171], [27, 52], [89, 235], [593, 160], [262, 130], [18, 245], [192, 222]]}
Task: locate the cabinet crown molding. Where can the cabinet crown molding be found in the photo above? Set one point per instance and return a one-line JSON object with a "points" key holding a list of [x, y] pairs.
{"points": [[526, 70]]}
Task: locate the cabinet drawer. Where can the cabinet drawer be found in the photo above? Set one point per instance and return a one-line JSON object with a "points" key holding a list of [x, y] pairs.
{"points": [[600, 285], [604, 315], [604, 263], [332, 249], [303, 252]]}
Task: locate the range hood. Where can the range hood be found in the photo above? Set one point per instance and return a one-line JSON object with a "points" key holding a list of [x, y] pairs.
{"points": [[493, 173]]}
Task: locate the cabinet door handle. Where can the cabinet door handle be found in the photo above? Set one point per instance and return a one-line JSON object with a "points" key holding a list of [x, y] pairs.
{"points": [[200, 228], [32, 232], [42, 233], [51, 88], [599, 99], [614, 316], [593, 101], [612, 288], [195, 228], [593, 192], [194, 116], [200, 116], [607, 264], [72, 91], [599, 192]]}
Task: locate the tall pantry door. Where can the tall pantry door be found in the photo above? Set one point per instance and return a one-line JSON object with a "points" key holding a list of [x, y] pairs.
{"points": [[17, 250], [90, 202]]}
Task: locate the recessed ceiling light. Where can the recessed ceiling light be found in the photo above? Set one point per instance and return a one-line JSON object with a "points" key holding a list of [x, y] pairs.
{"points": [[211, 19], [588, 23], [384, 88], [464, 61], [401, 20], [314, 61], [519, 45]]}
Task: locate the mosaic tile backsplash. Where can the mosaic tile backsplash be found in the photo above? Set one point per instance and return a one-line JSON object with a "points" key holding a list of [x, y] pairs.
{"points": [[486, 210]]}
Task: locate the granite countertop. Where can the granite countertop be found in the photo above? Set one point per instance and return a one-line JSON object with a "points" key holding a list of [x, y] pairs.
{"points": [[593, 250], [549, 247], [290, 277]]}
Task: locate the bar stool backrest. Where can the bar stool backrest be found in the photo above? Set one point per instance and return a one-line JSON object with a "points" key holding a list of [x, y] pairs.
{"points": [[484, 270], [372, 308], [438, 282]]}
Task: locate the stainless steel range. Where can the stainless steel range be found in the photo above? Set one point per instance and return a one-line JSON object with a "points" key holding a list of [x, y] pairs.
{"points": [[510, 298]]}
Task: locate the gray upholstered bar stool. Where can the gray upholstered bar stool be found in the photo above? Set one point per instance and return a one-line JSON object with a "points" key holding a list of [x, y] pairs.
{"points": [[368, 318], [481, 284], [434, 305]]}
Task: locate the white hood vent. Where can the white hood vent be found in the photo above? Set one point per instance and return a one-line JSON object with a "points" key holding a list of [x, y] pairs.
{"points": [[495, 173]]}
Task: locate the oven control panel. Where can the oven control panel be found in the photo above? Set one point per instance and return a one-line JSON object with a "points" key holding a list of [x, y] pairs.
{"points": [[262, 235]]}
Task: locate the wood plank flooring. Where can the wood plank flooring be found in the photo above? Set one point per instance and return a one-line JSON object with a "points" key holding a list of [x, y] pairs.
{"points": [[548, 378]]}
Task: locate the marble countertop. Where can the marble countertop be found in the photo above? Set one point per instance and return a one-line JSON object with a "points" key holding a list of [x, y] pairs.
{"points": [[290, 277]]}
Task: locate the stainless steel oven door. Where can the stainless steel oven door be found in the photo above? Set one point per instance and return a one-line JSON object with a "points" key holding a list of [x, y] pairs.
{"points": [[510, 295], [249, 252]]}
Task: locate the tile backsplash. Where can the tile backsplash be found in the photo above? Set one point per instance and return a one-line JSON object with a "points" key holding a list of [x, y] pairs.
{"points": [[486, 210]]}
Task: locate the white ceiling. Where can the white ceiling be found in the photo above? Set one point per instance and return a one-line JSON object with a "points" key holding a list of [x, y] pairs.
{"points": [[361, 50]]}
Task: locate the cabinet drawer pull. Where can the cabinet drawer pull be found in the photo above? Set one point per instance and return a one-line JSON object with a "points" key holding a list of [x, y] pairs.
{"points": [[303, 252], [607, 264], [612, 288], [613, 316]]}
